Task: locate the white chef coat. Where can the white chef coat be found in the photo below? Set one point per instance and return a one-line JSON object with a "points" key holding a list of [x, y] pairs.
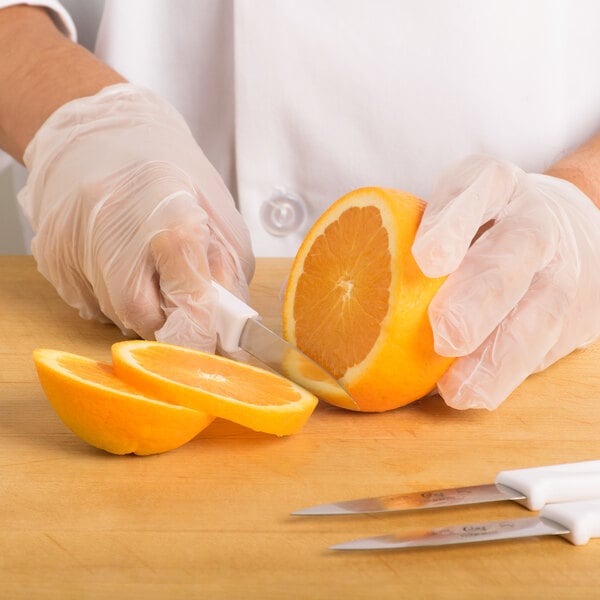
{"points": [[304, 101]]}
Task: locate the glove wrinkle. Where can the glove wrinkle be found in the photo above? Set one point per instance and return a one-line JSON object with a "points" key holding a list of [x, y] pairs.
{"points": [[459, 205]]}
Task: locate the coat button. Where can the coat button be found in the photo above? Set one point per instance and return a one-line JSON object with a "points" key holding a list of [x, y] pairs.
{"points": [[282, 214]]}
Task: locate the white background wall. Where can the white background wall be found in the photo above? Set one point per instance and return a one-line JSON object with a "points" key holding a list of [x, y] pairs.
{"points": [[14, 232]]}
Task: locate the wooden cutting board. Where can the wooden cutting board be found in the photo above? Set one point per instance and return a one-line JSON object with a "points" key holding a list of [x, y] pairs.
{"points": [[211, 519]]}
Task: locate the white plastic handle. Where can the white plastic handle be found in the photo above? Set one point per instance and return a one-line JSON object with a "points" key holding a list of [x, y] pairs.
{"points": [[582, 519], [555, 483], [231, 317]]}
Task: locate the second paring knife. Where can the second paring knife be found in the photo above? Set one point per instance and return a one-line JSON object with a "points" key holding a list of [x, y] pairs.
{"points": [[533, 487]]}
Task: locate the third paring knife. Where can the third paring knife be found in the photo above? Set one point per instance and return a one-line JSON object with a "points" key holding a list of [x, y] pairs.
{"points": [[533, 487], [576, 521]]}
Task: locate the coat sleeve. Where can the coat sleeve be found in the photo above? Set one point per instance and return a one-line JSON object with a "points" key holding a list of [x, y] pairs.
{"points": [[56, 10]]}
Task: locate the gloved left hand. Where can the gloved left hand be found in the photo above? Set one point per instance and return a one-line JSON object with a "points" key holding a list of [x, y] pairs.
{"points": [[523, 294]]}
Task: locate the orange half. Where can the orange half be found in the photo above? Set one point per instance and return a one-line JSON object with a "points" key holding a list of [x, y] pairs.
{"points": [[356, 301], [108, 413]]}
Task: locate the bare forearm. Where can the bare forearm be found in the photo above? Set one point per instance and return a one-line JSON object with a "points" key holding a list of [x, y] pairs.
{"points": [[40, 70], [582, 168]]}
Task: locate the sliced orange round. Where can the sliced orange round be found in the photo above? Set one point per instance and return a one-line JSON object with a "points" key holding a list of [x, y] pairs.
{"points": [[239, 392], [356, 301], [108, 413]]}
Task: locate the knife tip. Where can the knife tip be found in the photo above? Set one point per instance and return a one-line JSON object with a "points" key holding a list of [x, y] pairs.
{"points": [[307, 512], [352, 545], [339, 547], [321, 510]]}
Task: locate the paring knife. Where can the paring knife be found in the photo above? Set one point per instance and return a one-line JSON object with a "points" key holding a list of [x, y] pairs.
{"points": [[576, 521], [532, 487], [238, 327]]}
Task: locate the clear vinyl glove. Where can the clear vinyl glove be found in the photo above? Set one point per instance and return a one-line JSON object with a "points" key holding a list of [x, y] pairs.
{"points": [[523, 294], [131, 220]]}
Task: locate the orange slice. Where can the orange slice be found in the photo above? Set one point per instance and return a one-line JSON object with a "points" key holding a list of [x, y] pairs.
{"points": [[108, 413], [356, 301], [239, 392]]}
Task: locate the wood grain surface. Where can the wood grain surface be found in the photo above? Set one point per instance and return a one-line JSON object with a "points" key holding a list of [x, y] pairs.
{"points": [[212, 519]]}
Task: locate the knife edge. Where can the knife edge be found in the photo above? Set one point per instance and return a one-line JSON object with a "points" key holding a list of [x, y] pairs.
{"points": [[281, 356], [459, 534], [476, 494]]}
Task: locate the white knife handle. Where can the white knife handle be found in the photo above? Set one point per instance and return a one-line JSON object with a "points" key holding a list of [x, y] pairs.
{"points": [[582, 519], [555, 483], [231, 317]]}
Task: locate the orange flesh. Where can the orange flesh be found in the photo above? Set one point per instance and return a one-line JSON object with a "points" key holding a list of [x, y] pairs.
{"points": [[224, 378], [98, 373], [339, 332]]}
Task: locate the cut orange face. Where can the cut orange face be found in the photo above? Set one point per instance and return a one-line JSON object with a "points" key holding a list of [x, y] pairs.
{"points": [[242, 393], [108, 413], [356, 301]]}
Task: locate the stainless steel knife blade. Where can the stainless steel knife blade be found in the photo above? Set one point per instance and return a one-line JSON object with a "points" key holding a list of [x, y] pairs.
{"points": [[238, 327], [459, 534], [577, 521], [279, 355], [534, 487], [474, 494]]}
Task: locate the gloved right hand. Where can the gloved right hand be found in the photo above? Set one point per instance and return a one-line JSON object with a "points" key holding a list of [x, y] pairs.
{"points": [[520, 296], [131, 220]]}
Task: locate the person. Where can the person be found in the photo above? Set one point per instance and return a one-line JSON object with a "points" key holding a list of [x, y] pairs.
{"points": [[294, 104]]}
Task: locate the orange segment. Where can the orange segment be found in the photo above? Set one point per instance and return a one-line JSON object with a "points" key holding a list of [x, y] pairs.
{"points": [[109, 413], [239, 392], [356, 301], [312, 377]]}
